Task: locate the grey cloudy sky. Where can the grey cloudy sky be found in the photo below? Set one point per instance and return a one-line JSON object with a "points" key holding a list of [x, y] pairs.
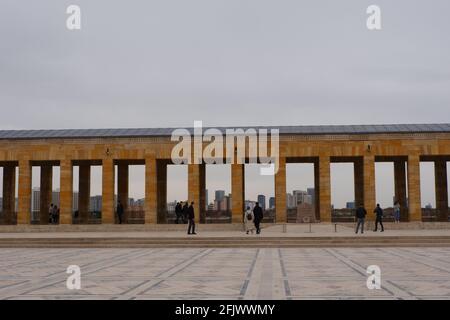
{"points": [[226, 62]]}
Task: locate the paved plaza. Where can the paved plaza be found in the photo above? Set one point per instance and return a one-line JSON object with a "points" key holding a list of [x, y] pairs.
{"points": [[234, 273]]}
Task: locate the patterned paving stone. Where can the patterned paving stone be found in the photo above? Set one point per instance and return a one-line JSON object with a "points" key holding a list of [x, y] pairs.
{"points": [[229, 273]]}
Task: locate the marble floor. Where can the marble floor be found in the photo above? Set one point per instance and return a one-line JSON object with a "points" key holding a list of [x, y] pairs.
{"points": [[406, 273]]}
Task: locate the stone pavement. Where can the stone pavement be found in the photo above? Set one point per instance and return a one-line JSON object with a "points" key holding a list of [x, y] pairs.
{"points": [[235, 273]]}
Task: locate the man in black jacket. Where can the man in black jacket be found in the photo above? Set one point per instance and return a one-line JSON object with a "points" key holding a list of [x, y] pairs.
{"points": [[191, 217], [379, 218], [185, 211], [178, 212], [258, 213], [120, 211], [360, 217]]}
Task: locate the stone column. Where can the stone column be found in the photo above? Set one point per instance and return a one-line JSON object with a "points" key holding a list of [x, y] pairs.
{"points": [[108, 210], [66, 192], [161, 190], [369, 184], [280, 192], [323, 182], [441, 188], [150, 190], [84, 192], [196, 190], [122, 188], [316, 191], [9, 193], [400, 188], [358, 172], [45, 193], [237, 192], [24, 214], [414, 202]]}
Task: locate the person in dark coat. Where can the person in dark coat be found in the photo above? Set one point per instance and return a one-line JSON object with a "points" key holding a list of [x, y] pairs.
{"points": [[191, 218], [178, 212], [258, 213], [120, 211], [379, 218], [360, 217], [185, 211]]}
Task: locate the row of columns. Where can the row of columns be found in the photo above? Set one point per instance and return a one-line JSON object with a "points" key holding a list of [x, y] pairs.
{"points": [[156, 188]]}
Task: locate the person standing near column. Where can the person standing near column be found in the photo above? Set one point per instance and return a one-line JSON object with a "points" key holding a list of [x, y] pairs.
{"points": [[191, 217], [120, 211], [360, 217], [379, 218], [185, 211], [50, 213], [258, 216], [178, 212], [397, 212], [249, 217]]}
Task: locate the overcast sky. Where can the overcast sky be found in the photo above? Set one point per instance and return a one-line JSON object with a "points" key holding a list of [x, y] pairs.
{"points": [[227, 63]]}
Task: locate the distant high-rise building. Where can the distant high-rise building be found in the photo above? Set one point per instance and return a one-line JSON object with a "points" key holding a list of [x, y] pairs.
{"points": [[95, 203], [290, 201], [55, 197], [350, 205], [223, 205], [249, 204], [220, 194], [271, 202], [301, 196], [36, 200], [312, 193], [262, 201], [75, 201], [171, 206]]}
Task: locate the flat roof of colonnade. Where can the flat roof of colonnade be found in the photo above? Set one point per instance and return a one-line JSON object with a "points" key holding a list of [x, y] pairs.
{"points": [[166, 132]]}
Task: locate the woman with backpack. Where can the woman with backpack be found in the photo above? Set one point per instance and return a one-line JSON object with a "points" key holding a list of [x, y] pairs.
{"points": [[249, 217]]}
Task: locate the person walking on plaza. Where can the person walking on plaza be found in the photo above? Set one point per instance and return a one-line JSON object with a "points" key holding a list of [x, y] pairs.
{"points": [[379, 218], [257, 217], [191, 217], [57, 215], [50, 213], [185, 212], [178, 212], [397, 212], [120, 211], [360, 217], [55, 212], [249, 217]]}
